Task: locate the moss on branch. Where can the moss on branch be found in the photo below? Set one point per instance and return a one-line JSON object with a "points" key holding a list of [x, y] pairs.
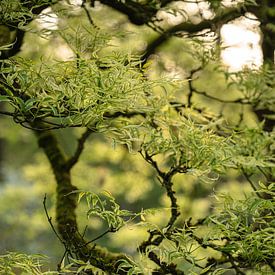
{"points": [[66, 205]]}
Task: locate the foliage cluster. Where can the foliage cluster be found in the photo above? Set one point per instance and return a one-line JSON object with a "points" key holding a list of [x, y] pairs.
{"points": [[177, 129]]}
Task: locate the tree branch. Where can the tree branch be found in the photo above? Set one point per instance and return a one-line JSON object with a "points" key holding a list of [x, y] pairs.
{"points": [[164, 267], [89, 17], [80, 146], [66, 205], [190, 28], [156, 237], [137, 13]]}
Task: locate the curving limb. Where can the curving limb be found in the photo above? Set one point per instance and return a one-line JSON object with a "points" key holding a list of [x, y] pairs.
{"points": [[191, 29], [80, 146], [66, 205], [155, 237]]}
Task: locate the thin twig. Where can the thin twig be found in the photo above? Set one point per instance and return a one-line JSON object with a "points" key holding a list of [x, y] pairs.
{"points": [[190, 84], [110, 230], [239, 100], [153, 163], [84, 231], [62, 259], [80, 146], [55, 232], [6, 113], [165, 179], [83, 5], [50, 220]]}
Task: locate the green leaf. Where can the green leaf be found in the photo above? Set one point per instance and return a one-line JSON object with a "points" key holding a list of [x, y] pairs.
{"points": [[4, 98]]}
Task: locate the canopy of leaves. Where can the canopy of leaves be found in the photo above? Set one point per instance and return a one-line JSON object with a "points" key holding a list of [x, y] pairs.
{"points": [[197, 130]]}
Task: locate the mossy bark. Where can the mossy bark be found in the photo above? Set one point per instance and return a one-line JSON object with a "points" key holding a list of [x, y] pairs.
{"points": [[66, 205]]}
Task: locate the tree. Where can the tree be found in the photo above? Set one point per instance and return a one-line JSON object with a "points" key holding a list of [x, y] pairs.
{"points": [[114, 93]]}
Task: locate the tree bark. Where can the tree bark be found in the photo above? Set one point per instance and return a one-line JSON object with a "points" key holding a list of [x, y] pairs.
{"points": [[66, 205]]}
